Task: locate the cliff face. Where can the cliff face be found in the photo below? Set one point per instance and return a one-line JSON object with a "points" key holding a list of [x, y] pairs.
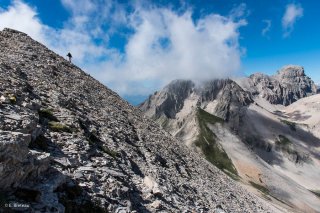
{"points": [[68, 143], [230, 97], [173, 97], [287, 86]]}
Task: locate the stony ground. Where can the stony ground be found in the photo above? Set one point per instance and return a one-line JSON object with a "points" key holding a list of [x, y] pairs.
{"points": [[69, 144]]}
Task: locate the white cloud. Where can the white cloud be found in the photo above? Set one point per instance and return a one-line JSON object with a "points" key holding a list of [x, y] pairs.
{"points": [[74, 37], [239, 11], [164, 45], [80, 44], [292, 14], [267, 28], [80, 6], [23, 18]]}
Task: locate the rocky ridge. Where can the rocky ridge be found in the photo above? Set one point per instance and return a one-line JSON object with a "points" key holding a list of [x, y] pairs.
{"points": [[173, 97], [231, 98], [242, 127], [69, 144], [287, 86]]}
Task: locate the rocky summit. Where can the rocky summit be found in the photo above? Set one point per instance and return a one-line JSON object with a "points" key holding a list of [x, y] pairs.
{"points": [[287, 86], [225, 98], [70, 144]]}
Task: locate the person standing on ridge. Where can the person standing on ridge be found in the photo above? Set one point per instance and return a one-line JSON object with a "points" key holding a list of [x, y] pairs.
{"points": [[69, 56]]}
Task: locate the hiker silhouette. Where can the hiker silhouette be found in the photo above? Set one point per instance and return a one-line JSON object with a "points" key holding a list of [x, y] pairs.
{"points": [[69, 56]]}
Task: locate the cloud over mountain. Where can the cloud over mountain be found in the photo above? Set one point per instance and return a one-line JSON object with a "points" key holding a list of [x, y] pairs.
{"points": [[162, 44], [22, 17]]}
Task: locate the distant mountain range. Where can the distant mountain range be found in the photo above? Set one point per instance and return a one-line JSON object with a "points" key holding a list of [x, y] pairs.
{"points": [[261, 130]]}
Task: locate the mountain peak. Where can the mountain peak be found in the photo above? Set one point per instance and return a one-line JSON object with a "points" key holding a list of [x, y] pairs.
{"points": [[9, 30], [288, 85], [231, 123], [180, 84], [290, 71]]}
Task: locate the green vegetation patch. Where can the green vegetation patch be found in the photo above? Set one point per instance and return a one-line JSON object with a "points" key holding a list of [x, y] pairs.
{"points": [[261, 188], [292, 125], [208, 118], [12, 99], [284, 144], [163, 121], [110, 152], [213, 152], [95, 141], [283, 141], [48, 114], [59, 127]]}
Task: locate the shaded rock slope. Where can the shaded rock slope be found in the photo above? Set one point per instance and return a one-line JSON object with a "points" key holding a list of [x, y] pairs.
{"points": [[69, 144]]}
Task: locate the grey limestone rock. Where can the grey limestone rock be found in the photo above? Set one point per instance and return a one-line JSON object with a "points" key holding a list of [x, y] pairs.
{"points": [[68, 143], [287, 86], [231, 99]]}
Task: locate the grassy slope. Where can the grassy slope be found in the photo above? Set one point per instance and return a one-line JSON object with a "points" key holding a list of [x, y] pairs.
{"points": [[260, 187], [213, 152]]}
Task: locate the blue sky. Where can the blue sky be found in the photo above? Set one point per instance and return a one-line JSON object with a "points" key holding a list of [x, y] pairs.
{"points": [[139, 47]]}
